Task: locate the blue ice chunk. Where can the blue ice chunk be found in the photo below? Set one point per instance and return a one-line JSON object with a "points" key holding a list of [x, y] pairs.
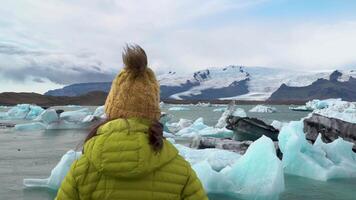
{"points": [[258, 174], [48, 116], [75, 116], [24, 111], [319, 161], [58, 173], [34, 126]]}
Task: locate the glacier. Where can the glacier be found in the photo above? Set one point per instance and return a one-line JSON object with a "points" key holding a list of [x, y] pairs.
{"points": [[319, 161]]}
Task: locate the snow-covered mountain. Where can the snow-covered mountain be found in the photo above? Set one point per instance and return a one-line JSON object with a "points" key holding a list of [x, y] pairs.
{"points": [[236, 82]]}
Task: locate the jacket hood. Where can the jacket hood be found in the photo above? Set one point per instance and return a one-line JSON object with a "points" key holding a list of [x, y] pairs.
{"points": [[121, 149]]}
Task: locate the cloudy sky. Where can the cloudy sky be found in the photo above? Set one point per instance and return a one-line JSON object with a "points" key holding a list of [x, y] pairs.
{"points": [[52, 43]]}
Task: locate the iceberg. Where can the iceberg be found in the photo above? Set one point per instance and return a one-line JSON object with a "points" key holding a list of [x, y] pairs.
{"points": [[216, 158], [34, 126], [339, 109], [198, 128], [239, 112], [263, 109], [246, 177], [220, 109], [75, 116], [48, 116], [23, 111], [99, 112], [278, 125], [219, 170], [319, 161], [178, 109], [177, 126], [57, 174]]}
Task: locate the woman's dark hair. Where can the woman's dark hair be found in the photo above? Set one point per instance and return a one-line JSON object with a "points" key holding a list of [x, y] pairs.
{"points": [[155, 134]]}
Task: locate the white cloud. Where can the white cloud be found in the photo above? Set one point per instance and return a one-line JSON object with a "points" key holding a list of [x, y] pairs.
{"points": [[177, 35]]}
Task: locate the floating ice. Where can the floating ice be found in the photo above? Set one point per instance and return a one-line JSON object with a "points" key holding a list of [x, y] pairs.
{"points": [[230, 111], [258, 174], [75, 116], [168, 135], [178, 108], [263, 109], [220, 109], [161, 104], [34, 126], [177, 126], [57, 174], [319, 161], [48, 116], [338, 109], [217, 158], [219, 170], [22, 111], [99, 111], [198, 128], [278, 125]]}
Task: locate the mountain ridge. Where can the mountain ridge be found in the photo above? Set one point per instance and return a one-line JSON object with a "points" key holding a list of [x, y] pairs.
{"points": [[231, 82]]}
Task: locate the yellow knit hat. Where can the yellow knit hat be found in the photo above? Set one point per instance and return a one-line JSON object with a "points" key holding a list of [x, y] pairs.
{"points": [[135, 90]]}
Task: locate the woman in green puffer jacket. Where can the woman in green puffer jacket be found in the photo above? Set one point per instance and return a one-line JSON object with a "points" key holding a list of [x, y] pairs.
{"points": [[127, 157]]}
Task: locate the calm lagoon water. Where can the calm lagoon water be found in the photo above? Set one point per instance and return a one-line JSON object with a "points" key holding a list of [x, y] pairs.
{"points": [[34, 154]]}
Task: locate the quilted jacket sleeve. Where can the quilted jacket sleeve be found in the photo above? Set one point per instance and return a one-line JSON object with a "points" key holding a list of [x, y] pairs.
{"points": [[68, 189], [193, 190]]}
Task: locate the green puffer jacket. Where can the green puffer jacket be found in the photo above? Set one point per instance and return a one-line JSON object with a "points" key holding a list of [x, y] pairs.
{"points": [[120, 164]]}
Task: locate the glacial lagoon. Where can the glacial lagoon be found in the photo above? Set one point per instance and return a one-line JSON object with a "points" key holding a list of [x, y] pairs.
{"points": [[33, 154]]}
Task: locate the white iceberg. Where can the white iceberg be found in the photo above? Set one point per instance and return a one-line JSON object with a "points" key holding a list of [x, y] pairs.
{"points": [[319, 161], [177, 126], [161, 104], [278, 124], [22, 111], [99, 111], [217, 158], [258, 174], [57, 174], [178, 108], [223, 109], [198, 128], [338, 109], [34, 126], [263, 109], [75, 116], [239, 112]]}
